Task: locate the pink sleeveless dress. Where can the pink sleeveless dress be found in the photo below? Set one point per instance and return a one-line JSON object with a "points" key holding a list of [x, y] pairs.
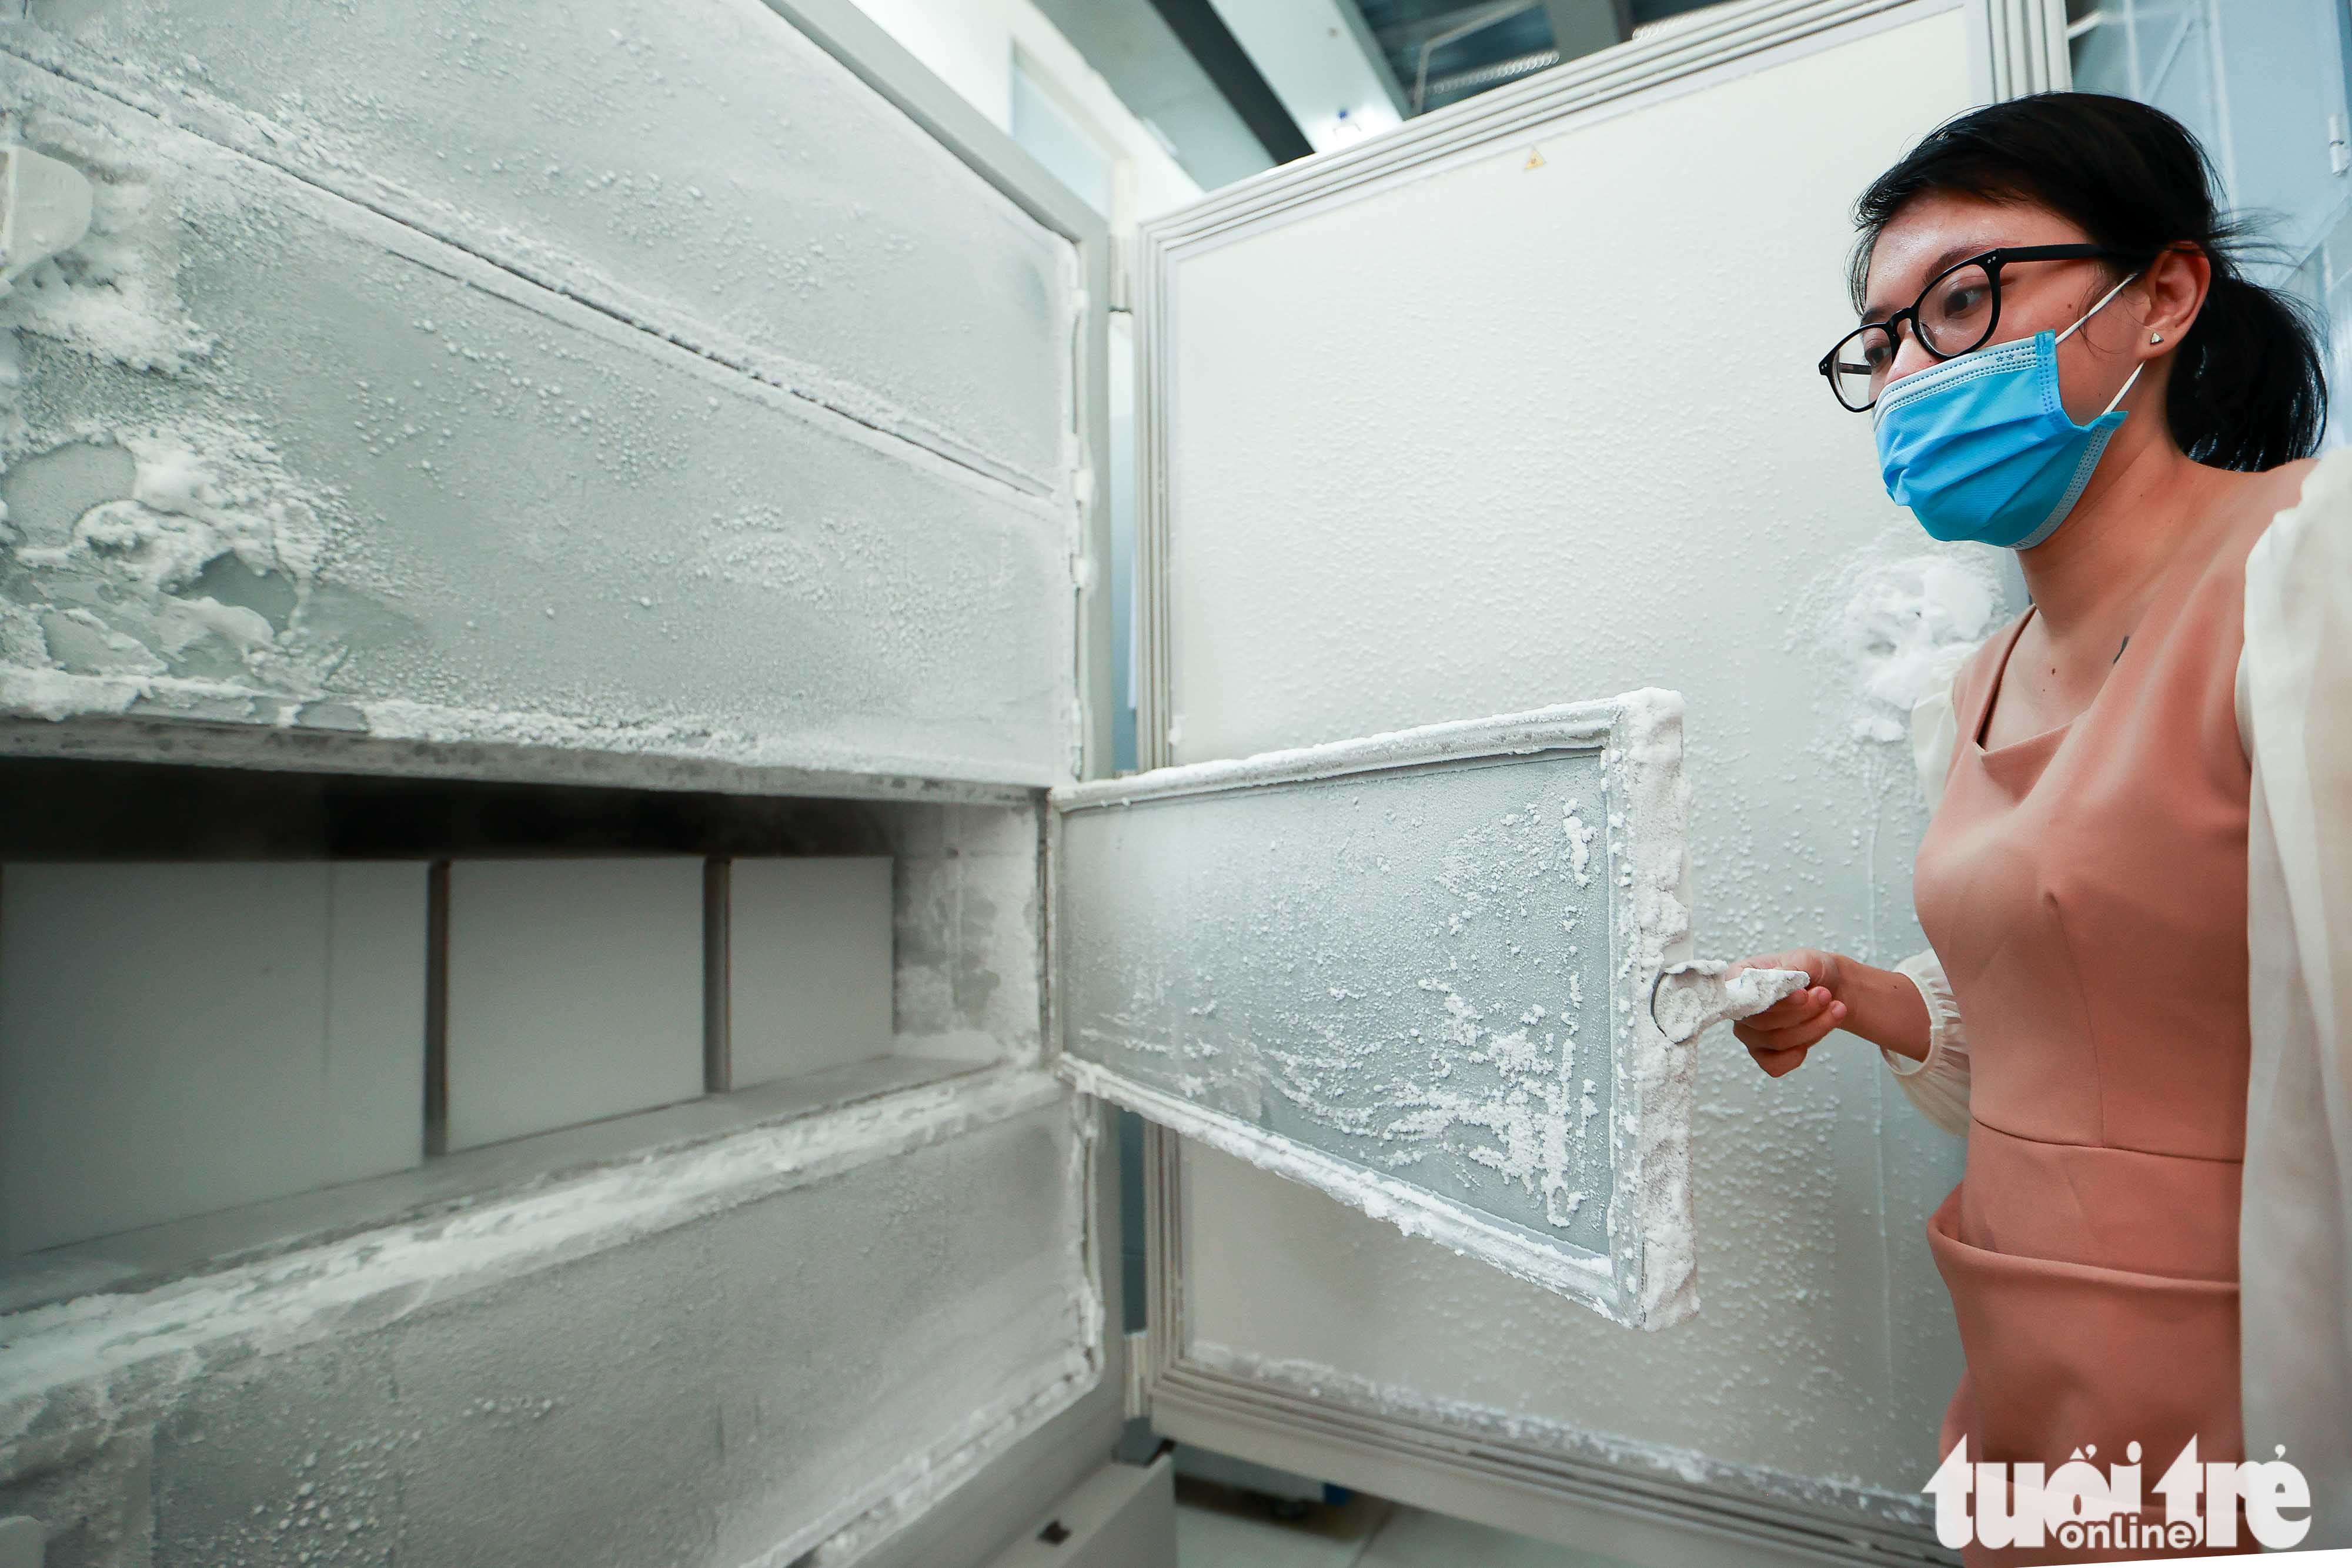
{"points": [[2085, 890]]}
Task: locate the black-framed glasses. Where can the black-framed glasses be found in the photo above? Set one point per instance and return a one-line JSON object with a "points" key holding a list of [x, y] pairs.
{"points": [[1956, 313]]}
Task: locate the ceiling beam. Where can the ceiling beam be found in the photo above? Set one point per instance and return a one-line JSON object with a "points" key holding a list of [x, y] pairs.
{"points": [[1334, 84], [1361, 31], [1211, 42]]}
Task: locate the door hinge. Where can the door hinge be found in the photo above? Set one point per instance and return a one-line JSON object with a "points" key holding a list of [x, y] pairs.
{"points": [[2339, 144], [1138, 1372], [1122, 273]]}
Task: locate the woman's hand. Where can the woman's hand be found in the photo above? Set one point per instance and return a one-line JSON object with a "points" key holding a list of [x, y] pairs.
{"points": [[1880, 1005], [1779, 1036]]}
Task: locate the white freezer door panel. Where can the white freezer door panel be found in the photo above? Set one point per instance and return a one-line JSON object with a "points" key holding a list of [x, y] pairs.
{"points": [[702, 170], [1412, 972], [1533, 416], [349, 474]]}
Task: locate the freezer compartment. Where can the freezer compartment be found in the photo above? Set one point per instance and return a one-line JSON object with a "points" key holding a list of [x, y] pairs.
{"points": [[242, 1011]]}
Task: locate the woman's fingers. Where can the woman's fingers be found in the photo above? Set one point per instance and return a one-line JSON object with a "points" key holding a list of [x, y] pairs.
{"points": [[1817, 1020], [1795, 1011], [1777, 1062], [1794, 1038], [1779, 1050], [1779, 1036]]}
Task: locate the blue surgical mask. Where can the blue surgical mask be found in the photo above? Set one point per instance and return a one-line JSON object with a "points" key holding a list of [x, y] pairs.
{"points": [[1982, 447]]}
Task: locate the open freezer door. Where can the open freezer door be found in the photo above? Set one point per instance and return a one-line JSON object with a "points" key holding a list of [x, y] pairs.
{"points": [[1411, 971], [1514, 401]]}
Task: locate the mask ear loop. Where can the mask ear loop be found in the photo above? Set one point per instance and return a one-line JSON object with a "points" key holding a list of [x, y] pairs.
{"points": [[2124, 390]]}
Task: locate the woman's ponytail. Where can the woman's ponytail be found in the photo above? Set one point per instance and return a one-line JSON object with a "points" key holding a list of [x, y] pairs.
{"points": [[2249, 387], [2248, 390]]}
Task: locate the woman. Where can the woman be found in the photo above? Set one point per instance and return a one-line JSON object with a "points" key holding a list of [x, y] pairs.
{"points": [[2137, 882]]}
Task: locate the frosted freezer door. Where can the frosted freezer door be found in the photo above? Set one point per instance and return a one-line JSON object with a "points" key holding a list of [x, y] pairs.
{"points": [[1411, 971], [713, 431]]}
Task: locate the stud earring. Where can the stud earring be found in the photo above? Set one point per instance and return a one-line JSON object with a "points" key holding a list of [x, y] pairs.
{"points": [[2155, 336]]}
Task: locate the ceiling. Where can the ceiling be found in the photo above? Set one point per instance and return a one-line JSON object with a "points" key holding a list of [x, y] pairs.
{"points": [[1233, 92], [1132, 44], [1470, 46]]}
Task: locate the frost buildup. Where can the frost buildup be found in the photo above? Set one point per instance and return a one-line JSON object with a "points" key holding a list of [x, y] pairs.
{"points": [[146, 550]]}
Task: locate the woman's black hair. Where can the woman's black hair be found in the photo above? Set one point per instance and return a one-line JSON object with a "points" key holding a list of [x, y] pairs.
{"points": [[2249, 391]]}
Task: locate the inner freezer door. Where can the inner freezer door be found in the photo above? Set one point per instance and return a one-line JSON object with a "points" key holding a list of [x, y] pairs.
{"points": [[1412, 972]]}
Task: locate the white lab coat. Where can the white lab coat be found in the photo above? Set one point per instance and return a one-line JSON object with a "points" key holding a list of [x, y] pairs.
{"points": [[2294, 1229]]}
